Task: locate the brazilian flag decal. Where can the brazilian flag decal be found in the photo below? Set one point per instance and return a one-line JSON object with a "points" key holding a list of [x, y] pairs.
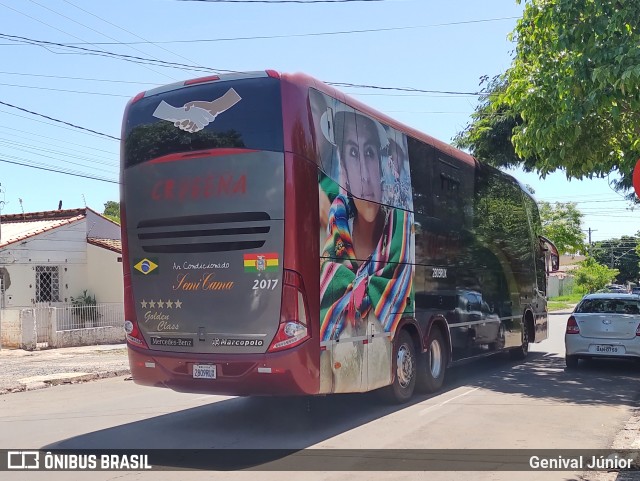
{"points": [[146, 266]]}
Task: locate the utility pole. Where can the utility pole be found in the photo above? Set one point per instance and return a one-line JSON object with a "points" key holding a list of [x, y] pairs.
{"points": [[612, 255], [589, 231], [2, 202]]}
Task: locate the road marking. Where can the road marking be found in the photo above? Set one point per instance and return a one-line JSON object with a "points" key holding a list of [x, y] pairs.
{"points": [[425, 410]]}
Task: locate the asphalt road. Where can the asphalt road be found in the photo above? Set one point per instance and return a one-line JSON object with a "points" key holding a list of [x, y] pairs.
{"points": [[494, 403]]}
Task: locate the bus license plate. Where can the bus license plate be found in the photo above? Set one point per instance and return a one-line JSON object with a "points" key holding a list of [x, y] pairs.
{"points": [[204, 371]]}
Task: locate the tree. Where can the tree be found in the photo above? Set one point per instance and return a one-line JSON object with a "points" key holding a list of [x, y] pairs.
{"points": [[562, 223], [620, 254], [571, 98], [112, 210], [592, 276]]}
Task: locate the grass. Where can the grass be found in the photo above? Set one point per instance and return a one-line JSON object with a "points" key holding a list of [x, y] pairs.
{"points": [[564, 302]]}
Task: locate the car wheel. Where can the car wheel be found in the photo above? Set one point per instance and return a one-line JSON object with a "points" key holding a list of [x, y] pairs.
{"points": [[404, 366], [432, 364], [521, 352], [571, 361]]}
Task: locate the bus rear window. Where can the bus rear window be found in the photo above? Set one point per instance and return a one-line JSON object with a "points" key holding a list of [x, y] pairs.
{"points": [[185, 120]]}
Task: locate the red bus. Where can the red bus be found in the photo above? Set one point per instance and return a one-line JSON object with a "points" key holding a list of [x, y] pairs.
{"points": [[281, 238]]}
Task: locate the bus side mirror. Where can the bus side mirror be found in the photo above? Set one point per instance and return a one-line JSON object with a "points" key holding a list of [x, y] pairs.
{"points": [[551, 256]]}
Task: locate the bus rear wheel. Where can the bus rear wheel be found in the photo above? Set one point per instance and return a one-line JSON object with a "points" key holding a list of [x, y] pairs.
{"points": [[404, 370], [432, 364]]}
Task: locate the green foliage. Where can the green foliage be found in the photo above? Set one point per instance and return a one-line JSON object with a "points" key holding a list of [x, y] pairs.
{"points": [[488, 136], [86, 308], [592, 276], [571, 98], [565, 302], [112, 211], [621, 254], [562, 223]]}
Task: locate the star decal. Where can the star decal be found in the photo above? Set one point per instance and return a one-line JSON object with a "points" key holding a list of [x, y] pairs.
{"points": [[160, 304], [152, 304], [143, 304], [178, 304], [169, 304]]}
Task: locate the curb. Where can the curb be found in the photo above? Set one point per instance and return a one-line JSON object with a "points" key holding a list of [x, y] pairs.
{"points": [[41, 382]]}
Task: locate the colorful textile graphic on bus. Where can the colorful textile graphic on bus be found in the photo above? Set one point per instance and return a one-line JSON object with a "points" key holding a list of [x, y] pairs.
{"points": [[261, 262]]}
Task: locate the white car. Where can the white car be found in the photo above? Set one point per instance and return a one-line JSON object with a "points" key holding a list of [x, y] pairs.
{"points": [[603, 325]]}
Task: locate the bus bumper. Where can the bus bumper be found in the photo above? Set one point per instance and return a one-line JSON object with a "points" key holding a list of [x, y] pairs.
{"points": [[286, 373]]}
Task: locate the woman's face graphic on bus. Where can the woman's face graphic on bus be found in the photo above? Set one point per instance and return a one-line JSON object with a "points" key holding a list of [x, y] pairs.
{"points": [[360, 156]]}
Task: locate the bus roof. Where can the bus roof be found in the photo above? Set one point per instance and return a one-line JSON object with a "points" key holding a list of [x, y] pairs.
{"points": [[308, 81], [301, 78]]}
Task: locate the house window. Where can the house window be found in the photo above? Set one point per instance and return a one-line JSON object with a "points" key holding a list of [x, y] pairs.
{"points": [[47, 284]]}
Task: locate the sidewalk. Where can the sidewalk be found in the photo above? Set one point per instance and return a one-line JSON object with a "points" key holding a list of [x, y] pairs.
{"points": [[27, 370]]}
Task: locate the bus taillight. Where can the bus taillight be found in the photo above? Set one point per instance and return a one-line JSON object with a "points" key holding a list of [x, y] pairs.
{"points": [[292, 330]]}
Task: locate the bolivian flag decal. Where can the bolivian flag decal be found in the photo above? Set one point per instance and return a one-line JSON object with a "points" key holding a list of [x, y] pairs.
{"points": [[146, 266], [261, 262]]}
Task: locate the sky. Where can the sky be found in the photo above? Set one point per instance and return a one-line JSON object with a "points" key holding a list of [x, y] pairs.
{"points": [[422, 44]]}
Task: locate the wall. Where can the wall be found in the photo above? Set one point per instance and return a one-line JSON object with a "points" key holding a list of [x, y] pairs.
{"points": [[10, 328], [100, 227], [560, 287], [88, 337], [22, 288], [104, 274], [64, 247], [17, 330]]}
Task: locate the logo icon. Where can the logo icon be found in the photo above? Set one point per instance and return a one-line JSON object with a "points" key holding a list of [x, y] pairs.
{"points": [[196, 115], [23, 460], [146, 266], [261, 262]]}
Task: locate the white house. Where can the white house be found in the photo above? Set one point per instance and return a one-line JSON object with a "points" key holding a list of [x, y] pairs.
{"points": [[48, 258]]}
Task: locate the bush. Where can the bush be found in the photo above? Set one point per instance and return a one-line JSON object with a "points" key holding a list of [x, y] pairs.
{"points": [[86, 308]]}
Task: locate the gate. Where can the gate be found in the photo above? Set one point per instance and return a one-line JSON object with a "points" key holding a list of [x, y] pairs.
{"points": [[43, 320]]}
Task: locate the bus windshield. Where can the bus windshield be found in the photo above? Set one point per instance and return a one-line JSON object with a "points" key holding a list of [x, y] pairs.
{"points": [[252, 119]]}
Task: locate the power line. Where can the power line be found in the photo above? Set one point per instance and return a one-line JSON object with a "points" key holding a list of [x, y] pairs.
{"points": [[135, 59], [280, 1], [105, 53], [84, 79], [60, 121], [401, 89], [32, 149], [86, 176], [104, 94], [125, 30], [295, 35], [47, 123], [81, 24], [40, 136]]}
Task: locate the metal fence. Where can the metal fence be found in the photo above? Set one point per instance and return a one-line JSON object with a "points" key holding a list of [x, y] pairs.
{"points": [[82, 317]]}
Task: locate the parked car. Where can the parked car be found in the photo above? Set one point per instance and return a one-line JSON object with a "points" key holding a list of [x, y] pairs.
{"points": [[615, 288], [603, 325]]}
